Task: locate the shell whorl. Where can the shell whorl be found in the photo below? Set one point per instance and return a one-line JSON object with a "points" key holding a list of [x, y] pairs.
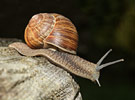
{"points": [[51, 30]]}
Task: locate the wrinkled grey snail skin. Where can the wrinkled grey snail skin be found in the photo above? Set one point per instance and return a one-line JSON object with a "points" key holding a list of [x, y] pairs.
{"points": [[72, 63]]}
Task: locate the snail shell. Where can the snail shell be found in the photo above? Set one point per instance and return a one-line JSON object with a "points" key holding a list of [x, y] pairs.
{"points": [[52, 30]]}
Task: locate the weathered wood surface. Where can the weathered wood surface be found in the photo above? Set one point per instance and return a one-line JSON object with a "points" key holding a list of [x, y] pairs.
{"points": [[33, 78]]}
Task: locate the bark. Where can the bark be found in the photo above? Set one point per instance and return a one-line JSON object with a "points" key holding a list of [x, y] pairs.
{"points": [[33, 78]]}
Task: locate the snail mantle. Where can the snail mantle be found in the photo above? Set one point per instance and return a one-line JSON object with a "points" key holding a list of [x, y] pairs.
{"points": [[33, 78]]}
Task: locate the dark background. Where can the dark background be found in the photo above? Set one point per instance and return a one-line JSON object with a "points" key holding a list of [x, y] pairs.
{"points": [[101, 25]]}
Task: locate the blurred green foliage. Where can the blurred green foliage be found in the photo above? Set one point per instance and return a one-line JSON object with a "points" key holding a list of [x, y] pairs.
{"points": [[111, 20]]}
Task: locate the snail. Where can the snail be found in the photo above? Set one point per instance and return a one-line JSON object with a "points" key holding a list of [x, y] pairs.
{"points": [[55, 37]]}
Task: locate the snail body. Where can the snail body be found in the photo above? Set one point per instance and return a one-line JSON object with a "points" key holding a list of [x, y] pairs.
{"points": [[65, 45], [72, 63]]}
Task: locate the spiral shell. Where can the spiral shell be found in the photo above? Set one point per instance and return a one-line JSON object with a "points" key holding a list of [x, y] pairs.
{"points": [[51, 30]]}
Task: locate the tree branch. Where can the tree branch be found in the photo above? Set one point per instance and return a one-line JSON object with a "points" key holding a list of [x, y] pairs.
{"points": [[33, 78]]}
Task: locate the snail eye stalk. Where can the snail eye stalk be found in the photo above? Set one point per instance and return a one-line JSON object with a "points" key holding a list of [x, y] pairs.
{"points": [[99, 66]]}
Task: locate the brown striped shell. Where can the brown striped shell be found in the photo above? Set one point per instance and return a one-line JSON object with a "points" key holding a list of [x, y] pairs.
{"points": [[50, 30]]}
